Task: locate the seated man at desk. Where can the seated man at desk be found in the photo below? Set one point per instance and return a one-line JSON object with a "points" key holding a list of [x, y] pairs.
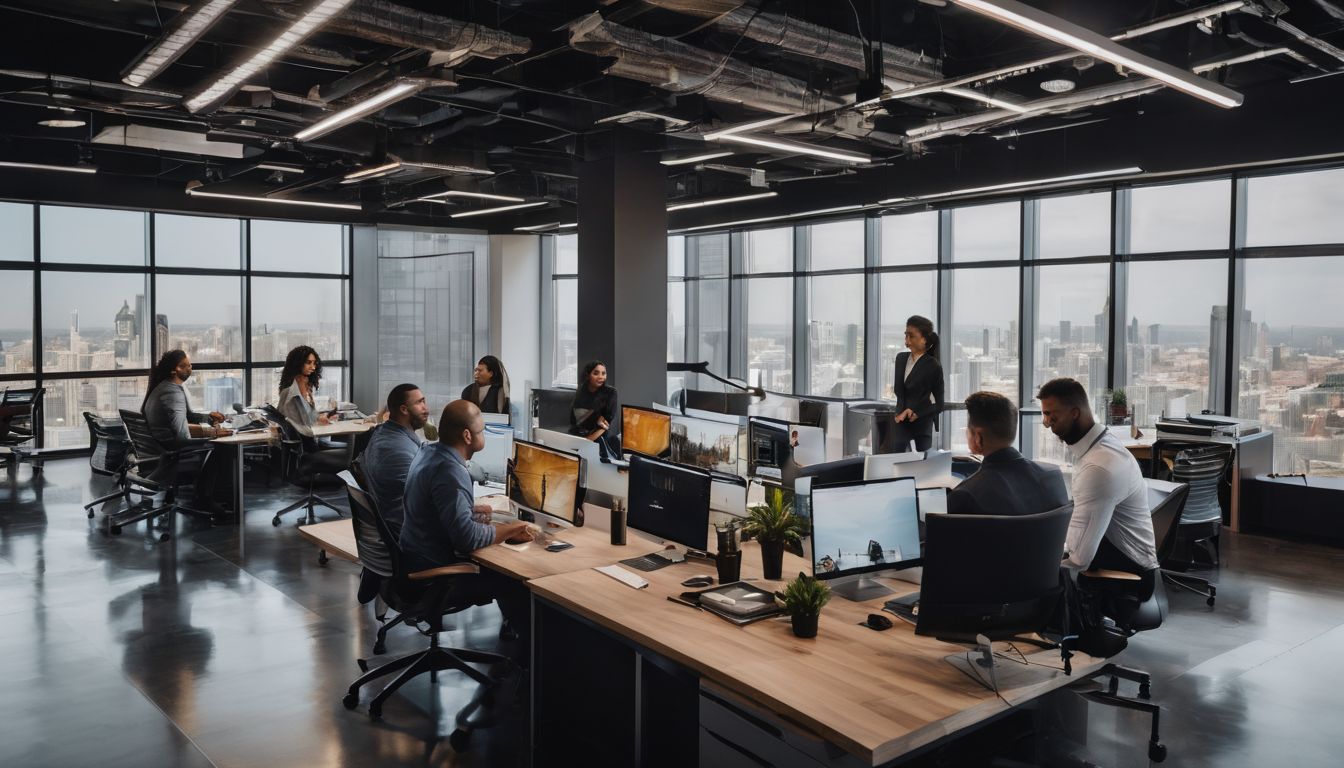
{"points": [[1007, 483], [391, 448], [175, 425], [440, 527]]}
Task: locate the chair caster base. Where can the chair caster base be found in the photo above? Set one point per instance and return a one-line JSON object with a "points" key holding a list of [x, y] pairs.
{"points": [[90, 514], [275, 521], [1157, 752], [164, 537], [350, 700]]}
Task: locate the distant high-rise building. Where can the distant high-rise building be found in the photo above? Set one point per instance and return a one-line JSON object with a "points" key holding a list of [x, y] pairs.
{"points": [[1154, 334], [1218, 357], [986, 342], [1133, 330], [161, 343], [1065, 332], [1277, 361], [1101, 324], [222, 393]]}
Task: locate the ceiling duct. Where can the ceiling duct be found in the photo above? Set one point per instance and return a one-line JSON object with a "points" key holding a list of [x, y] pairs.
{"points": [[168, 140], [900, 67], [685, 69], [398, 25]]}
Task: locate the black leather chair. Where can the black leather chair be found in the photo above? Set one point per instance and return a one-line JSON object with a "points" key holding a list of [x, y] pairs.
{"points": [[155, 469], [24, 407], [307, 462], [424, 596]]}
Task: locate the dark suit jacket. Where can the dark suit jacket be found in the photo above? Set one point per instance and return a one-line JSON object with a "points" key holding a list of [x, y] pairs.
{"points": [[1009, 484], [925, 378]]}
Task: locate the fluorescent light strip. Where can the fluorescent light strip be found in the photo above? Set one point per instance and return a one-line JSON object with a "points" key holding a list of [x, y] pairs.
{"points": [[448, 168], [798, 147], [719, 201], [281, 168], [279, 200], [295, 34], [177, 41], [744, 222], [499, 209], [1016, 184], [747, 127], [695, 158], [974, 95], [355, 111], [538, 227], [371, 173], [479, 195], [46, 167], [1071, 35]]}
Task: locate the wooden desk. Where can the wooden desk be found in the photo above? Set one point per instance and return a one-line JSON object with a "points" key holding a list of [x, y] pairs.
{"points": [[591, 549], [335, 537]]}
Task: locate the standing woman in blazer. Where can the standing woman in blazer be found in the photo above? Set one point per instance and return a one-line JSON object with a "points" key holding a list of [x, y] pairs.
{"points": [[918, 386]]}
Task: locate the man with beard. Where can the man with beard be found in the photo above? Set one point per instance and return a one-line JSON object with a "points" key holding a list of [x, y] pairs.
{"points": [[391, 448]]}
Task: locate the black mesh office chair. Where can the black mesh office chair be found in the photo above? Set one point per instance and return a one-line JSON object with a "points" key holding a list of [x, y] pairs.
{"points": [[154, 469], [306, 463], [1201, 521], [424, 596], [111, 457], [22, 411]]}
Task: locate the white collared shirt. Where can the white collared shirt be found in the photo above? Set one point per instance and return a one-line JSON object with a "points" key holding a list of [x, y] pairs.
{"points": [[1110, 500]]}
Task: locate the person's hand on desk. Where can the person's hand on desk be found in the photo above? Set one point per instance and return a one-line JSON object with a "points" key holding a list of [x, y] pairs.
{"points": [[513, 533], [323, 419], [216, 417], [201, 430], [906, 415]]}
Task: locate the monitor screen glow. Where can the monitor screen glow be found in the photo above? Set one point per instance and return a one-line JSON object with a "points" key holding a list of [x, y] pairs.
{"points": [[545, 480], [861, 527]]}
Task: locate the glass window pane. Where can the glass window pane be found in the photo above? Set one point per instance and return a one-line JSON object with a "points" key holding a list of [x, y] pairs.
{"points": [[197, 241], [1292, 370], [983, 346], [425, 335], [92, 236], [767, 250], [837, 245], [203, 317], [94, 322], [835, 335], [1072, 316], [291, 312], [1179, 217], [676, 322], [218, 390], [708, 255], [16, 222], [903, 294], [266, 388], [1076, 225], [770, 332], [676, 256], [910, 238], [1177, 318], [16, 322], [1295, 209], [68, 399], [566, 254], [298, 246], [711, 316], [566, 333], [987, 232]]}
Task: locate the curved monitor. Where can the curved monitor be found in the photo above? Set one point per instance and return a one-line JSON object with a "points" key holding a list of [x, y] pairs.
{"points": [[544, 480]]}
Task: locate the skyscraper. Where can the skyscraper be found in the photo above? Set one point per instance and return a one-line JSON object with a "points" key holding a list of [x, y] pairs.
{"points": [[1065, 332], [1218, 353]]}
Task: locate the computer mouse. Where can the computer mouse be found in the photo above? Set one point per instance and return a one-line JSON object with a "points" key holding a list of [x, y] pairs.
{"points": [[878, 621], [698, 581]]}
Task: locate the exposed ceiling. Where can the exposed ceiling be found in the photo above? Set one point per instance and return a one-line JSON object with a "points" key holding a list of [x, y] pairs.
{"points": [[839, 101]]}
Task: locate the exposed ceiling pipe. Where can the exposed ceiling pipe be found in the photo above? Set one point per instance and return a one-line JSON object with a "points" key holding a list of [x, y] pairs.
{"points": [[900, 67], [1125, 89], [680, 68], [398, 25], [1301, 36], [1334, 11]]}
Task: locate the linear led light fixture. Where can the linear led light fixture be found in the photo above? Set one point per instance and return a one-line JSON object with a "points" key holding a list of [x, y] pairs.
{"points": [[318, 15], [1070, 35], [355, 111], [719, 201], [637, 115], [448, 168], [798, 147], [695, 158], [499, 209], [538, 227], [1016, 185], [372, 172], [281, 168], [744, 222], [434, 198], [278, 200], [974, 95], [747, 127], [192, 26], [47, 167]]}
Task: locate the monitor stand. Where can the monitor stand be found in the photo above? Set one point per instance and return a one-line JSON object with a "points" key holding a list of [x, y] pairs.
{"points": [[860, 588]]}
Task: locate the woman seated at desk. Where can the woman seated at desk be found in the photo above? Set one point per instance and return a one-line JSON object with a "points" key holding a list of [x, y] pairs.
{"points": [[489, 387], [594, 410], [300, 378]]}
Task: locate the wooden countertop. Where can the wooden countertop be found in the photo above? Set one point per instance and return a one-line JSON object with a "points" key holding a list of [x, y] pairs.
{"points": [[335, 537]]}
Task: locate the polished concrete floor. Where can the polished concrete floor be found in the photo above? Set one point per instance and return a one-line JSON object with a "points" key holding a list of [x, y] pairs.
{"points": [[231, 646]]}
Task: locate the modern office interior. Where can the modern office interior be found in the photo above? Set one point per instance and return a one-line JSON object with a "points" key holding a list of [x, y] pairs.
{"points": [[740, 208]]}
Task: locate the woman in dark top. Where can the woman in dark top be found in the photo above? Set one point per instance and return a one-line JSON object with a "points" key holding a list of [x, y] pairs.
{"points": [[489, 387], [594, 409], [919, 388]]}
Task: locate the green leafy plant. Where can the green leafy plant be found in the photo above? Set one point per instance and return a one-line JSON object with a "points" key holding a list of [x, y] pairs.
{"points": [[804, 596], [1118, 397], [774, 520]]}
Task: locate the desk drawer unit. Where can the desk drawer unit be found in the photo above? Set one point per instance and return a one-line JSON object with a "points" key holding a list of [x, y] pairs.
{"points": [[735, 734]]}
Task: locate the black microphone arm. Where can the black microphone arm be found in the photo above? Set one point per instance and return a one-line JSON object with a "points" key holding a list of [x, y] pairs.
{"points": [[703, 368]]}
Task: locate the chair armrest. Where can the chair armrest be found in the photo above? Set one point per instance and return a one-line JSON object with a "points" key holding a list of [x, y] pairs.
{"points": [[1102, 573], [457, 569]]}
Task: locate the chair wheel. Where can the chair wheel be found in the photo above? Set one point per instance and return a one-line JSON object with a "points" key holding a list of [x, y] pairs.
{"points": [[322, 557], [115, 530], [164, 537], [350, 700], [375, 712], [275, 521], [90, 515], [363, 665], [379, 649], [1157, 752], [1209, 601], [460, 740]]}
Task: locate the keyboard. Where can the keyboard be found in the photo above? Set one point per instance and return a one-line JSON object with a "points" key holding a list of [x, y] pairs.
{"points": [[650, 562]]}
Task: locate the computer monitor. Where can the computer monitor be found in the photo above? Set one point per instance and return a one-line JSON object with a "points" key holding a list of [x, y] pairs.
{"points": [[932, 501], [645, 431], [828, 473], [732, 403], [706, 443], [493, 460], [552, 407], [768, 450], [812, 413], [546, 481], [808, 444], [859, 528], [669, 502], [928, 470]]}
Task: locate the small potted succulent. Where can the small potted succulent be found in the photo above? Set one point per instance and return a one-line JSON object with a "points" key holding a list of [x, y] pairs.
{"points": [[803, 599], [774, 526]]}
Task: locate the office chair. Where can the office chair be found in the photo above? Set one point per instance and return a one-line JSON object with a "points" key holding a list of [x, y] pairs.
{"points": [[1201, 522], [306, 463], [154, 469], [1178, 500], [423, 596], [111, 457], [25, 426]]}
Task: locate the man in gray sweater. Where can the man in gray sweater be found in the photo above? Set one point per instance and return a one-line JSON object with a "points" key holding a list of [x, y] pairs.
{"points": [[177, 427]]}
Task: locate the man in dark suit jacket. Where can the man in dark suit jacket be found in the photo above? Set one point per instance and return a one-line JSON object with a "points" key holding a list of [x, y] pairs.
{"points": [[1007, 482]]}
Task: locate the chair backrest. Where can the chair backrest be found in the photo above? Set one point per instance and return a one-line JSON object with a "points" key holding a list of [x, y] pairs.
{"points": [[142, 437], [24, 426], [109, 441], [378, 549], [1165, 514], [997, 575], [1202, 468]]}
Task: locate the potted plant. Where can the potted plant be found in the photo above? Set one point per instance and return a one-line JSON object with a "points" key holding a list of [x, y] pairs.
{"points": [[774, 525], [803, 598], [1119, 406]]}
